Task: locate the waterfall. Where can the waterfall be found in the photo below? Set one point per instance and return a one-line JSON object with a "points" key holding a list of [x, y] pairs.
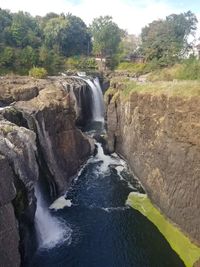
{"points": [[98, 103], [97, 98], [50, 230]]}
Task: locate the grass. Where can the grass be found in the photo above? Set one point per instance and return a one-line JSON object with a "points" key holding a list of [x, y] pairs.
{"points": [[169, 88], [137, 68], [188, 252], [187, 69], [167, 74]]}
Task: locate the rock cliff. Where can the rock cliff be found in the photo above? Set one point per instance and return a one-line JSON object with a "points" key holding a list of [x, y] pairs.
{"points": [[9, 236], [39, 139], [159, 135]]}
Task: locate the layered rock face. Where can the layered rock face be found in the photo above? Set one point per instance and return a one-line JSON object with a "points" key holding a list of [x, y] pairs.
{"points": [[160, 138], [9, 236], [38, 140], [18, 147], [52, 116]]}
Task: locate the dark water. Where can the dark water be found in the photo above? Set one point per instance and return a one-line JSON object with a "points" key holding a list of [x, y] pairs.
{"points": [[104, 231]]}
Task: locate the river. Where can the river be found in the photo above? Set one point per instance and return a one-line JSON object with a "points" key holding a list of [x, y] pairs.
{"points": [[91, 226], [99, 230]]}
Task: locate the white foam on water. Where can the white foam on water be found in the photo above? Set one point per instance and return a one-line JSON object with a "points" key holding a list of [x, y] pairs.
{"points": [[106, 160], [112, 209], [61, 203]]}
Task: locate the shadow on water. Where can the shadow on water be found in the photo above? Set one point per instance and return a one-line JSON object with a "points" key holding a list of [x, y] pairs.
{"points": [[105, 232]]}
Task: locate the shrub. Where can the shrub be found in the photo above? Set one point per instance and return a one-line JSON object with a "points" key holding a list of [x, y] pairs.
{"points": [[190, 70], [166, 74], [137, 68], [39, 73], [80, 63]]}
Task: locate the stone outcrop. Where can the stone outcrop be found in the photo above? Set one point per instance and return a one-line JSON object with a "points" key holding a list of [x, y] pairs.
{"points": [[18, 146], [52, 116], [9, 236], [160, 138], [39, 139], [16, 88]]}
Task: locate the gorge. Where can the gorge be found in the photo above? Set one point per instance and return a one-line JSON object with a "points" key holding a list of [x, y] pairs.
{"points": [[48, 151]]}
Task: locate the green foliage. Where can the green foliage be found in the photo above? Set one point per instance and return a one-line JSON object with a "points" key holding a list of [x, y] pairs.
{"points": [[24, 31], [188, 70], [69, 33], [7, 57], [81, 63], [5, 23], [166, 41], [106, 36], [166, 74], [51, 60], [55, 42], [128, 47], [169, 88], [27, 41], [137, 68], [39, 73]]}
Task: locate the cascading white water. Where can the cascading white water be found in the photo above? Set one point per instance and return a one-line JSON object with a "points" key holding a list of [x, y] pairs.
{"points": [[97, 98], [98, 101], [50, 230], [108, 160]]}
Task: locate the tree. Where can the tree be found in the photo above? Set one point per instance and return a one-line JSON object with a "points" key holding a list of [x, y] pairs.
{"points": [[166, 41], [5, 22], [129, 46], [7, 57], [67, 33], [106, 36], [28, 57], [24, 31], [50, 60]]}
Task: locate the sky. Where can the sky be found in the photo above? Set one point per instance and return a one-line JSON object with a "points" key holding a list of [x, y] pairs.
{"points": [[130, 15]]}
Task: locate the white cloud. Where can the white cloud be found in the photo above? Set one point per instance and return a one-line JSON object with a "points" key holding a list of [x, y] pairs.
{"points": [[128, 14]]}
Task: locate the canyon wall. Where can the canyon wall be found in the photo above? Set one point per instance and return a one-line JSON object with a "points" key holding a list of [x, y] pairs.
{"points": [[39, 139], [159, 136]]}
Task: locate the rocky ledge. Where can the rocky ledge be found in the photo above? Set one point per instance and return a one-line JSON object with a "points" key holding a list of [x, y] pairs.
{"points": [[39, 139]]}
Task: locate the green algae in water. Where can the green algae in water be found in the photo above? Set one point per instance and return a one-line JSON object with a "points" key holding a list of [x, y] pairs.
{"points": [[187, 251]]}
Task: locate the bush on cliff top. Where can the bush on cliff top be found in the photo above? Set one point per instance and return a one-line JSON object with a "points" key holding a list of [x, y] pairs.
{"points": [[137, 68], [188, 70], [39, 73], [169, 88]]}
